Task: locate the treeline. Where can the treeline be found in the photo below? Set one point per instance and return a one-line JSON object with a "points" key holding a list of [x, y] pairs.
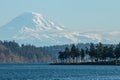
{"points": [[25, 53], [94, 53]]}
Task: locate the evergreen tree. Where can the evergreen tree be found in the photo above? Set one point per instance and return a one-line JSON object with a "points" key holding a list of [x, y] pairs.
{"points": [[100, 51], [105, 53], [82, 54], [92, 52], [75, 53], [73, 50], [111, 53], [86, 51], [67, 54], [117, 51], [61, 56]]}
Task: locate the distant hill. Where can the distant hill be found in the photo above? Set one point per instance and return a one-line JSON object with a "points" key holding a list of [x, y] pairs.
{"points": [[12, 52], [6, 55]]}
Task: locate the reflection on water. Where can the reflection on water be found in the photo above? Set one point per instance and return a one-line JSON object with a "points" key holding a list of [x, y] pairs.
{"points": [[58, 72]]}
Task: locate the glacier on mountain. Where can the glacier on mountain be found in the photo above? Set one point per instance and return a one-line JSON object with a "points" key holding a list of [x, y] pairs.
{"points": [[34, 28]]}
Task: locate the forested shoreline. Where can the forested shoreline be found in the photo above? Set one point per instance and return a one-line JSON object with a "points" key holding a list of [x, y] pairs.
{"points": [[94, 53], [11, 51]]}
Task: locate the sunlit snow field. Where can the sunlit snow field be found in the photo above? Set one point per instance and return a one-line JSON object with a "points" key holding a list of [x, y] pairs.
{"points": [[58, 72]]}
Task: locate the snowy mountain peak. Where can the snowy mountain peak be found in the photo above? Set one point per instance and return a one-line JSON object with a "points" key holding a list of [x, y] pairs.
{"points": [[37, 14], [41, 22], [31, 14], [33, 20], [34, 28]]}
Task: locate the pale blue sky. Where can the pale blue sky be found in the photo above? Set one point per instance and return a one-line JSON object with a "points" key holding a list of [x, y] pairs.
{"points": [[73, 14]]}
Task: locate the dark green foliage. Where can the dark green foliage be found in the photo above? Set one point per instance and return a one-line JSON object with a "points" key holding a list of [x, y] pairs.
{"points": [[117, 51], [61, 56], [82, 54], [75, 53], [12, 45], [97, 53], [29, 53], [68, 54], [105, 52], [110, 51], [92, 51], [100, 51]]}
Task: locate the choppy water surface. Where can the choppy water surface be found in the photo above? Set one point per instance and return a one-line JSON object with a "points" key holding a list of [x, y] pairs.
{"points": [[58, 72]]}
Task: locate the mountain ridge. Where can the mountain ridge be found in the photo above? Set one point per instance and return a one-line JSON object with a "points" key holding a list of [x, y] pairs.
{"points": [[34, 28]]}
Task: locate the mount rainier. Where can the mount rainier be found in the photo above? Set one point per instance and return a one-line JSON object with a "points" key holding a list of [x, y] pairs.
{"points": [[34, 28]]}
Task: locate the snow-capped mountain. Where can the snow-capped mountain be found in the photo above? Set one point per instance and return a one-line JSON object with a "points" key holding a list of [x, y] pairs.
{"points": [[34, 28]]}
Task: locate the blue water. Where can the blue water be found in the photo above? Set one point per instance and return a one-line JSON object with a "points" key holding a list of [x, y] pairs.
{"points": [[58, 72]]}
